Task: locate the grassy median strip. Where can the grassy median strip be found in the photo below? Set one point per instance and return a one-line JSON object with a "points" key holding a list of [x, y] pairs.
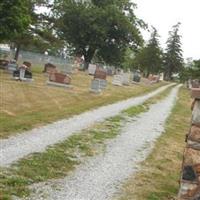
{"points": [[57, 161], [28, 105], [135, 110], [160, 172]]}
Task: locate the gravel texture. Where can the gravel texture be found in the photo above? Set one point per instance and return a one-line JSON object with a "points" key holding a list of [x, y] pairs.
{"points": [[36, 140], [101, 177]]}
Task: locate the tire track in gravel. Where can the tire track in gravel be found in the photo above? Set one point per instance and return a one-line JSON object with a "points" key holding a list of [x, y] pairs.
{"points": [[101, 177], [36, 140]]}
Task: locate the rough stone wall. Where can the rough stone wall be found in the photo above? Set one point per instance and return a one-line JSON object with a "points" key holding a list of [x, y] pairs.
{"points": [[190, 176]]}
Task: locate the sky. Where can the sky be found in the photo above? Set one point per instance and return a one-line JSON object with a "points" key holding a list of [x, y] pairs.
{"points": [[163, 14]]}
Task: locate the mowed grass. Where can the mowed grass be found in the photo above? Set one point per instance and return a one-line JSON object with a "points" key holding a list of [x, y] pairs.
{"points": [[135, 110], [24, 106], [58, 160], [158, 177]]}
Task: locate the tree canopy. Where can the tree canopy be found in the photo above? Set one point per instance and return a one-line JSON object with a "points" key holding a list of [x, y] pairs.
{"points": [[149, 58], [191, 70], [14, 18], [105, 28], [173, 59]]}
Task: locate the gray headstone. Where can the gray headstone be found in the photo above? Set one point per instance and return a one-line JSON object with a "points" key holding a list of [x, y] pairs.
{"points": [[92, 69], [97, 85]]}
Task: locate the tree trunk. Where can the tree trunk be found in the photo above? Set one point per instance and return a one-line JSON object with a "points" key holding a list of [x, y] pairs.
{"points": [[168, 74], [17, 52], [86, 65], [88, 55]]}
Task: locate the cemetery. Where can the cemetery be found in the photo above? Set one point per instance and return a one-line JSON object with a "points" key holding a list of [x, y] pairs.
{"points": [[26, 101], [88, 89], [99, 100]]}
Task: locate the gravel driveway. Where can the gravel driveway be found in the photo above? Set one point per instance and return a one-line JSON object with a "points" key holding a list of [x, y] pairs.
{"points": [[101, 177], [38, 139]]}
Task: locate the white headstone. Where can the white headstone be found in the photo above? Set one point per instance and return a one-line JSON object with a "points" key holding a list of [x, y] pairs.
{"points": [[117, 80], [91, 69], [126, 79]]}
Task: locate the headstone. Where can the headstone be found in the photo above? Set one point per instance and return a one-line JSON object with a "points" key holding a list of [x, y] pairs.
{"points": [[3, 63], [117, 80], [136, 76], [100, 74], [60, 78], [11, 67], [91, 69], [126, 78], [97, 85], [153, 78], [49, 68], [28, 65], [109, 72], [103, 84], [195, 83], [162, 77], [26, 77], [81, 67]]}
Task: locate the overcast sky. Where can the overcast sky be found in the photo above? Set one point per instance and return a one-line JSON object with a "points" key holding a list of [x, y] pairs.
{"points": [[163, 14]]}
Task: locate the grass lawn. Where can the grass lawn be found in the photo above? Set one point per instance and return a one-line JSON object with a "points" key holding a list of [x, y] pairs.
{"points": [[58, 160], [24, 106], [158, 178]]}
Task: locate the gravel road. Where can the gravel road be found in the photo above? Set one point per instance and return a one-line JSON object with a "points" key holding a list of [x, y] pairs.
{"points": [[36, 140], [101, 177]]}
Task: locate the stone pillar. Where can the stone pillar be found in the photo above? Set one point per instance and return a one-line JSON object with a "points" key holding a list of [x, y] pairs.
{"points": [[190, 176]]}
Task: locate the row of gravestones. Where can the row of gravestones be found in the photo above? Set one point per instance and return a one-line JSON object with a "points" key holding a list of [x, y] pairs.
{"points": [[190, 176], [99, 82], [57, 78]]}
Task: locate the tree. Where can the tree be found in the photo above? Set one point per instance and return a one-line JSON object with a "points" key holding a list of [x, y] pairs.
{"points": [[19, 23], [105, 28], [128, 61], [173, 59], [150, 58], [38, 33], [14, 18], [191, 71]]}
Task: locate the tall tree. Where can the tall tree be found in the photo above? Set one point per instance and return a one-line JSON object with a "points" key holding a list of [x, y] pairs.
{"points": [[128, 61], [191, 70], [38, 33], [173, 60], [21, 25], [14, 18], [105, 28], [150, 58]]}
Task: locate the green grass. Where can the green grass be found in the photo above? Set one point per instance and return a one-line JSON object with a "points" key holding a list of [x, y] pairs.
{"points": [[159, 174], [135, 110], [57, 161]]}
